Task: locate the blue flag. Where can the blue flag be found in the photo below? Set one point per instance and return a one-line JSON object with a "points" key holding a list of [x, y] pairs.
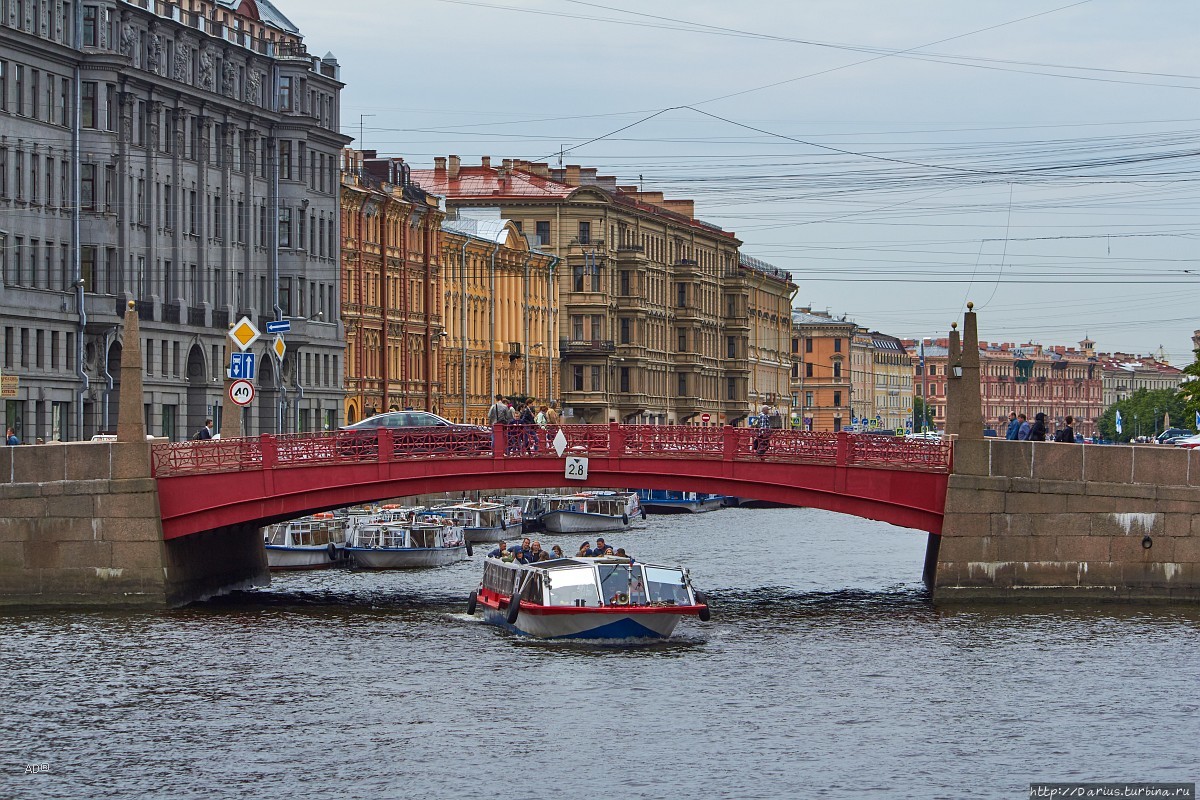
{"points": [[1198, 420], [1119, 429]]}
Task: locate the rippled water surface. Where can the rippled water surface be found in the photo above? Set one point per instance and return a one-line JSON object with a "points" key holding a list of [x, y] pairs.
{"points": [[826, 672]]}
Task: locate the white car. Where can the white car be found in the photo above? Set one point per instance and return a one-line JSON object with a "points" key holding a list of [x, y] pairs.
{"points": [[928, 436], [1189, 442]]}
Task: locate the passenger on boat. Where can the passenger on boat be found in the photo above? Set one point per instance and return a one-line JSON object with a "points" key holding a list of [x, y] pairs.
{"points": [[608, 551], [621, 552], [585, 550], [535, 551], [500, 552], [556, 551], [525, 544], [544, 556], [600, 547]]}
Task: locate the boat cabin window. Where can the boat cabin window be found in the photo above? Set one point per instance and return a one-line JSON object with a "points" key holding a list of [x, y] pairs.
{"points": [[570, 585], [622, 584], [425, 537], [667, 586]]}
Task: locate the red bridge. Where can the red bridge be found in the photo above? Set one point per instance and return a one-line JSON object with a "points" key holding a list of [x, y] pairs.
{"points": [[236, 482]]}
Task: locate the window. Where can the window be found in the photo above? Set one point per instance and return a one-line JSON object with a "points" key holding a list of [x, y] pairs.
{"points": [[808, 369], [837, 369], [88, 108], [624, 379], [680, 295], [730, 347], [285, 160], [808, 398], [595, 379], [285, 227], [837, 345], [19, 89], [577, 327], [542, 231], [625, 336], [681, 384], [837, 398], [3, 85], [89, 26], [808, 345], [585, 233], [681, 334], [577, 382], [88, 187], [597, 327], [285, 94], [624, 290]]}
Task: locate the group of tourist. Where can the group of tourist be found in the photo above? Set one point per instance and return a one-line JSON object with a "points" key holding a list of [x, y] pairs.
{"points": [[528, 423], [528, 552], [1022, 430]]}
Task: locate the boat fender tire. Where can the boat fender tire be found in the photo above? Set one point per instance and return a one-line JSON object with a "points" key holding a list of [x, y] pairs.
{"points": [[470, 550], [332, 550], [514, 608], [624, 519], [705, 613], [472, 602]]}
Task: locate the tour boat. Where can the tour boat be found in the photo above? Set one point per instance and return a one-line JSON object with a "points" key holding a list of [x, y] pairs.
{"points": [[591, 512], [481, 521], [664, 501], [587, 598], [527, 508], [312, 542], [418, 541]]}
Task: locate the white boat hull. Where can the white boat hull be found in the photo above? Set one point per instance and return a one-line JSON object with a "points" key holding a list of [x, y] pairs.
{"points": [[404, 557], [492, 534], [299, 557], [582, 522], [587, 625]]}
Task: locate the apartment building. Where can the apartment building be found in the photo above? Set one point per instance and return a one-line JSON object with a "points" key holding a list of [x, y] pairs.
{"points": [[183, 156]]}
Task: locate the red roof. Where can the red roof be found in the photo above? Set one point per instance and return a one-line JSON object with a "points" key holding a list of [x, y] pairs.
{"points": [[478, 182]]}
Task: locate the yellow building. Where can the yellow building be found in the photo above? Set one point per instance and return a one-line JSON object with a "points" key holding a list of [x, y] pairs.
{"points": [[501, 314], [391, 288], [892, 382]]}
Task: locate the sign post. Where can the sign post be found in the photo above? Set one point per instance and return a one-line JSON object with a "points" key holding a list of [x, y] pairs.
{"points": [[241, 392], [705, 417]]}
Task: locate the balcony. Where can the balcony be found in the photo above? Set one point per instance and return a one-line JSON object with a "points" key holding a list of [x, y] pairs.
{"points": [[689, 313], [736, 323], [586, 346], [629, 302], [687, 359], [631, 400], [685, 268], [688, 403]]}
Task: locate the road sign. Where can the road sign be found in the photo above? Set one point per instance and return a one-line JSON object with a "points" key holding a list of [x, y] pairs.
{"points": [[278, 347], [854, 421], [705, 417], [241, 392], [577, 469], [244, 334], [241, 366], [279, 326]]}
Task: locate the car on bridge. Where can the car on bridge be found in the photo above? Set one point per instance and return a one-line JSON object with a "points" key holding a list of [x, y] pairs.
{"points": [[413, 433]]}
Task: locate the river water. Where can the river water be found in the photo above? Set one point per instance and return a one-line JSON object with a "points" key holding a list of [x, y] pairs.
{"points": [[825, 672]]}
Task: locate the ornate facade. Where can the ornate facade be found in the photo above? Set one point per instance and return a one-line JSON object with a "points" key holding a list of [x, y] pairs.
{"points": [[182, 156], [392, 287]]}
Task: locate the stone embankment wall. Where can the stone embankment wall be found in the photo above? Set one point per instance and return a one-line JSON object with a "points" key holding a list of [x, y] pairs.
{"points": [[80, 526], [1047, 520]]}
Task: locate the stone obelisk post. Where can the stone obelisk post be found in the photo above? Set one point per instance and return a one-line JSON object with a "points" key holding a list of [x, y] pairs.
{"points": [[953, 383], [970, 400], [131, 420]]}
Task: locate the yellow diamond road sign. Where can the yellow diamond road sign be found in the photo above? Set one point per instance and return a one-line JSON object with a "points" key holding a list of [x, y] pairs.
{"points": [[278, 347], [244, 333]]}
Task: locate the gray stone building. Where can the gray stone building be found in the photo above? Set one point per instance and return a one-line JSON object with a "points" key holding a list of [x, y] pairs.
{"points": [[183, 156]]}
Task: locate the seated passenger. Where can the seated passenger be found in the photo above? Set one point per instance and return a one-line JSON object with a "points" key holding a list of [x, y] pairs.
{"points": [[608, 551], [544, 556], [585, 550], [556, 552], [535, 551], [499, 552], [600, 547], [519, 554], [622, 554]]}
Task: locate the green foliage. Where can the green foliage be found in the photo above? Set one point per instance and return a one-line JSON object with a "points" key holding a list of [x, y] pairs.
{"points": [[1189, 392], [1142, 413], [923, 415]]}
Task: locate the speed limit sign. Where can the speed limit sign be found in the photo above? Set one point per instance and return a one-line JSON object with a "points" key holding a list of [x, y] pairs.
{"points": [[241, 392]]}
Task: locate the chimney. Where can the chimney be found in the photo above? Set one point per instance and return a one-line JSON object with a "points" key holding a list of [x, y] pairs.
{"points": [[455, 162], [485, 162], [508, 163], [685, 207], [439, 164], [572, 175]]}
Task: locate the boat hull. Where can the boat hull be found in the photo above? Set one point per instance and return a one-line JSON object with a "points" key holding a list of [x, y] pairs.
{"points": [[587, 625], [683, 506], [404, 557], [582, 522], [495, 533], [299, 557]]}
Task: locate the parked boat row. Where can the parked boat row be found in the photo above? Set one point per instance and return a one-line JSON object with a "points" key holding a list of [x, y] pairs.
{"points": [[667, 501]]}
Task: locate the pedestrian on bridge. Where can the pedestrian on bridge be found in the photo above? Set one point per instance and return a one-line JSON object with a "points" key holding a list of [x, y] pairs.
{"points": [[1014, 426], [10, 438]]}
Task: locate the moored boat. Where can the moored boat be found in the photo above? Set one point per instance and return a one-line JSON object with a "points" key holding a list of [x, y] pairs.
{"points": [[481, 521], [666, 501], [313, 542], [406, 543], [587, 598], [527, 508], [591, 512]]}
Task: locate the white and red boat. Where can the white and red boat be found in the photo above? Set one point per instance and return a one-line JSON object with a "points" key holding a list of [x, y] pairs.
{"points": [[587, 598]]}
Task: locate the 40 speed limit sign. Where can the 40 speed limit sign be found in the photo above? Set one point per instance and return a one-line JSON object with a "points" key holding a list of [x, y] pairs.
{"points": [[241, 392]]}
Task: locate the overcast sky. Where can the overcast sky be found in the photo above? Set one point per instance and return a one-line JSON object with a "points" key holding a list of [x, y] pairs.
{"points": [[1032, 156]]}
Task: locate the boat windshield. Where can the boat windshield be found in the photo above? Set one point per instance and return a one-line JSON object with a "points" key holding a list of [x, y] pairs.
{"points": [[667, 586], [567, 586], [623, 584]]}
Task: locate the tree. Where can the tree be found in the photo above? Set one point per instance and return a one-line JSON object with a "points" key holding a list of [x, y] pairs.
{"points": [[923, 415], [1189, 392], [1142, 413]]}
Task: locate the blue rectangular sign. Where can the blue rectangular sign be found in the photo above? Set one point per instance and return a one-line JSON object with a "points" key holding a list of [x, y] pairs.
{"points": [[279, 326], [241, 366]]}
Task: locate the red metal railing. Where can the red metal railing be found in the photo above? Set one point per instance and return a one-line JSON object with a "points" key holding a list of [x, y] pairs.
{"points": [[513, 442]]}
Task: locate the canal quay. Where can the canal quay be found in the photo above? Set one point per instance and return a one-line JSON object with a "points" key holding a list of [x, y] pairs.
{"points": [[825, 671]]}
